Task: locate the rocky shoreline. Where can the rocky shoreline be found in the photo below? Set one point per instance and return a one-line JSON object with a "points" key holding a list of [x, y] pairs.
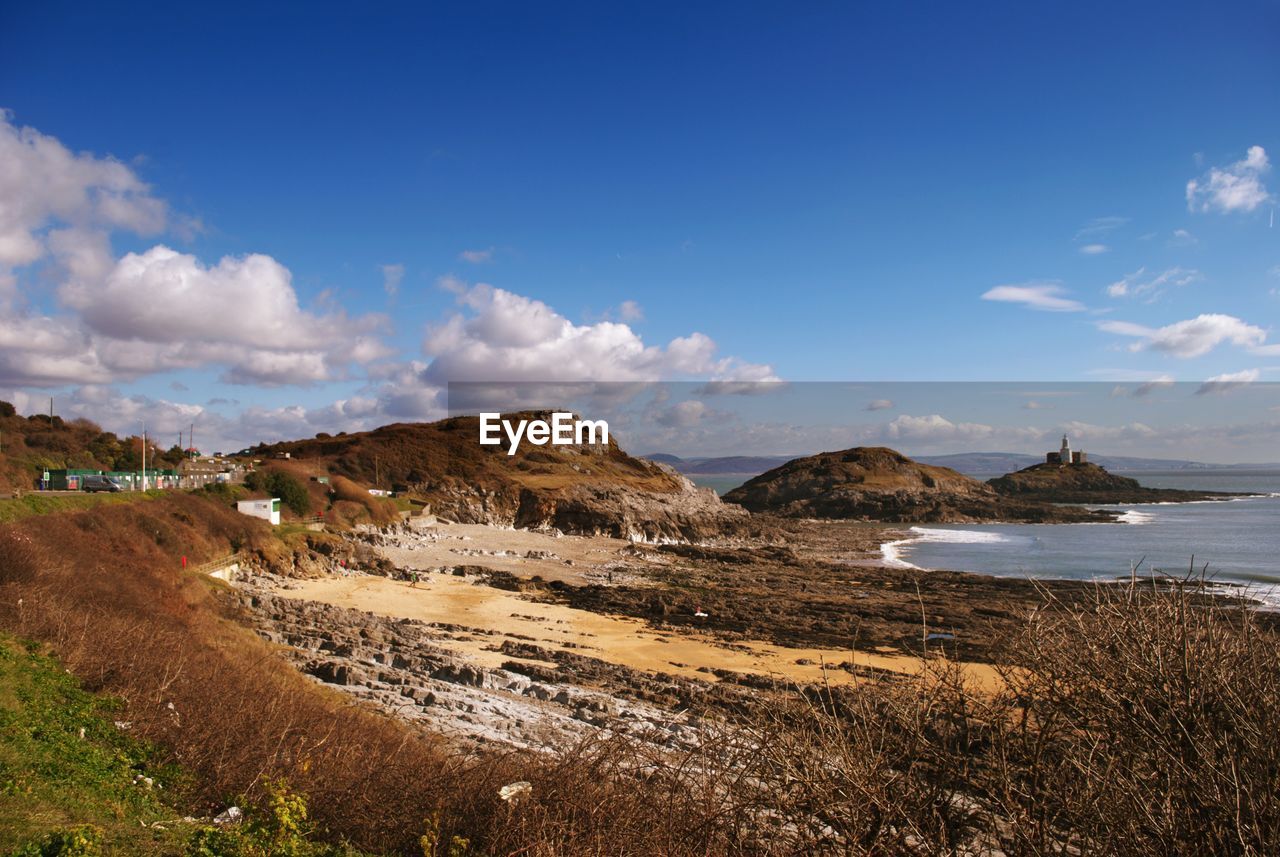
{"points": [[536, 700], [494, 664]]}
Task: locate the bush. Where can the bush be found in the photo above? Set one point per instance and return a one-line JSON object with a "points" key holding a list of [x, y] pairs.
{"points": [[278, 483], [83, 841], [277, 827]]}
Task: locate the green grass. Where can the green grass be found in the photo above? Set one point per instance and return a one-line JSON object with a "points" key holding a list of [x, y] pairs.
{"points": [[67, 769], [35, 503], [71, 781]]}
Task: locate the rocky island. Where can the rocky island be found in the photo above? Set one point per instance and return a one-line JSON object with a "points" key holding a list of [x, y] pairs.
{"points": [[1067, 476], [881, 484], [1088, 483]]}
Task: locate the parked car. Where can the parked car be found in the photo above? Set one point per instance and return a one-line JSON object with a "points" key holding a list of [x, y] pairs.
{"points": [[93, 484]]}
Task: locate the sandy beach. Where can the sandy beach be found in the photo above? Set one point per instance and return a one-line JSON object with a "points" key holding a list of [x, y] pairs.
{"points": [[441, 597]]}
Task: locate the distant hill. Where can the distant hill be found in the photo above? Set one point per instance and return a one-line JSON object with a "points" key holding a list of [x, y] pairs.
{"points": [[578, 489], [881, 484]]}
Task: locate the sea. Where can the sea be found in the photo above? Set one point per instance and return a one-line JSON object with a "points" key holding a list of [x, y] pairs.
{"points": [[1234, 541]]}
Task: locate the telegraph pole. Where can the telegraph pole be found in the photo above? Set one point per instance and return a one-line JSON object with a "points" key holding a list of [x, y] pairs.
{"points": [[144, 456]]}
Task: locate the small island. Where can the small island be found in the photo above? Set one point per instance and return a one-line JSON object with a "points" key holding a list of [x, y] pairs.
{"points": [[1067, 476]]}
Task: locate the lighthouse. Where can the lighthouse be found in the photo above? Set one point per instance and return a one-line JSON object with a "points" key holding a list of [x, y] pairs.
{"points": [[1065, 455]]}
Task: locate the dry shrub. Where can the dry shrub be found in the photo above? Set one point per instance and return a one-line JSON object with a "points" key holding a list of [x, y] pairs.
{"points": [[354, 504], [109, 596], [1143, 723]]}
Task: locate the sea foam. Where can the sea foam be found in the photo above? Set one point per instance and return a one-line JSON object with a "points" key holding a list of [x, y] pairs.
{"points": [[891, 552]]}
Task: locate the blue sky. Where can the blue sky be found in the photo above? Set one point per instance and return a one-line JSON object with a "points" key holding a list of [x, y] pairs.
{"points": [[824, 193]]}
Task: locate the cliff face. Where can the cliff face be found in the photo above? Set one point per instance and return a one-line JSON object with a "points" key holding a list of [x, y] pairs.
{"points": [[587, 489], [1086, 483], [876, 483]]}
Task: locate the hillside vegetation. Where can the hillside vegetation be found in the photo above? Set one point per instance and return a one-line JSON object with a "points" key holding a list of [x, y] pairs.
{"points": [[30, 445], [581, 489]]}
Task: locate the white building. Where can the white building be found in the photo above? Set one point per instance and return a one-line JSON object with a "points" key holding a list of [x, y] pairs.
{"points": [[1066, 455], [267, 510]]}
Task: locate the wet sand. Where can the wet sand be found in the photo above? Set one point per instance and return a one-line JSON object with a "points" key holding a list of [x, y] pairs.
{"points": [[621, 640]]}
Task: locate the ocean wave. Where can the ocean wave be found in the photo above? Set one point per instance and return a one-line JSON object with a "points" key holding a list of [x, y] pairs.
{"points": [[1133, 516], [891, 552], [957, 537], [890, 555]]}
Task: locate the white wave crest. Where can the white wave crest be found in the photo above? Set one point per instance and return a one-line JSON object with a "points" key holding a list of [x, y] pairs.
{"points": [[891, 552], [890, 555], [957, 537], [1133, 516]]}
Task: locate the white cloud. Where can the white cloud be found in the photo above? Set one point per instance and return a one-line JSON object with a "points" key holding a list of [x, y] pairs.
{"points": [[392, 276], [630, 311], [116, 319], [162, 309], [1192, 337], [1036, 295], [684, 414], [1237, 187], [1138, 283], [147, 312], [935, 428], [1148, 387], [1100, 226], [1183, 238], [502, 336], [1227, 381], [42, 182], [477, 257], [880, 405], [1272, 350], [1094, 249]]}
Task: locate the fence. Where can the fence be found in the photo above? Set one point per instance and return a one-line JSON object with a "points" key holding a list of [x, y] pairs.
{"points": [[223, 568]]}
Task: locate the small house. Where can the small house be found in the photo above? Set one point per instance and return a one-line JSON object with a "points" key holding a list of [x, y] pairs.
{"points": [[267, 510]]}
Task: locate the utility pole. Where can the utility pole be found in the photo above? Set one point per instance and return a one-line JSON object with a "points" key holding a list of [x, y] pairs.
{"points": [[191, 440], [144, 456]]}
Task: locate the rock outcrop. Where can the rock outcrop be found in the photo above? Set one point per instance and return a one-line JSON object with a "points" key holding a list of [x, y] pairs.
{"points": [[535, 700], [880, 484], [1087, 483]]}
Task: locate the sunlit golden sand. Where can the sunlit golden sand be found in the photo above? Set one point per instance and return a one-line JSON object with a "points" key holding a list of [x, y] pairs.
{"points": [[615, 639]]}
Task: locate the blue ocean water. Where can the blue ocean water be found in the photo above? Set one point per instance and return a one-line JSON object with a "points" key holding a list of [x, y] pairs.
{"points": [[1238, 540]]}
